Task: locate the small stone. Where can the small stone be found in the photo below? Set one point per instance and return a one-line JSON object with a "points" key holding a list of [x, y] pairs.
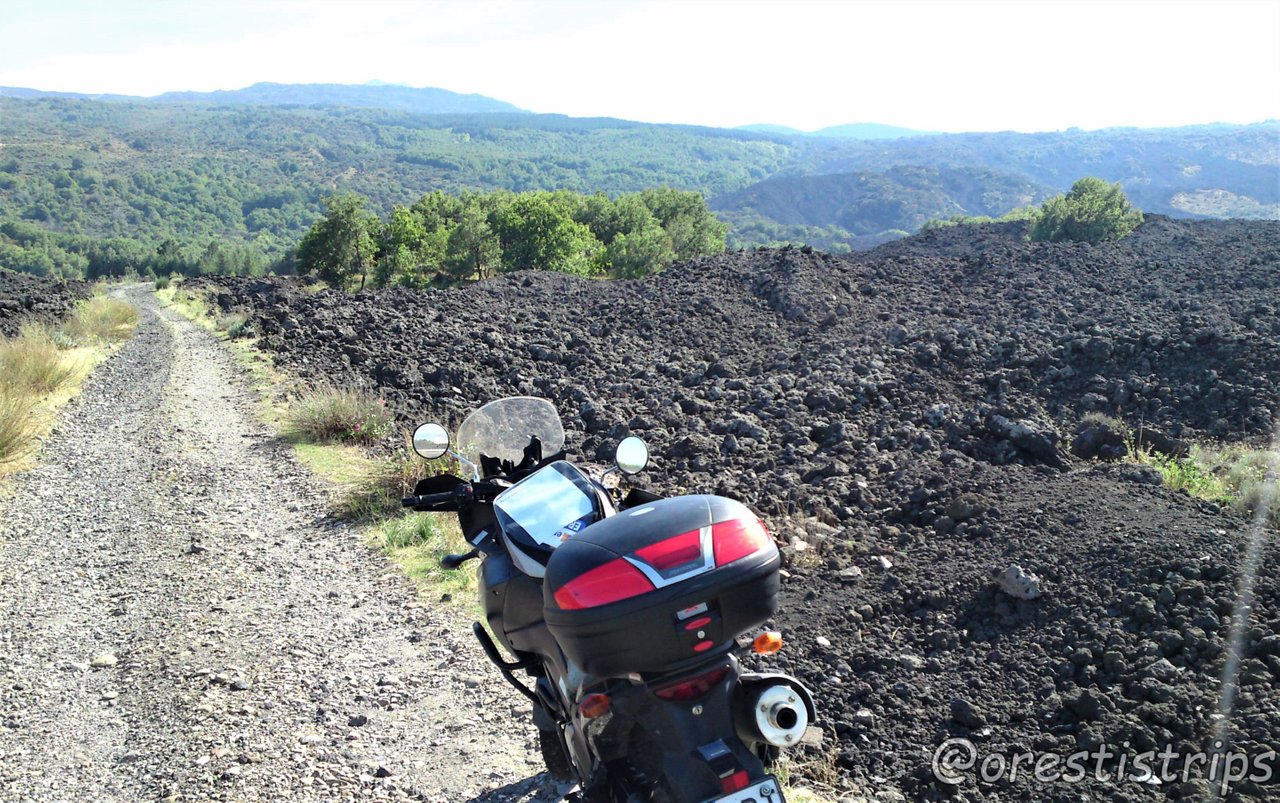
{"points": [[110, 695], [1113, 662], [382, 772], [884, 562], [1019, 584], [964, 712], [850, 575], [823, 641], [103, 660], [357, 721], [911, 663], [864, 717], [239, 684], [1162, 670]]}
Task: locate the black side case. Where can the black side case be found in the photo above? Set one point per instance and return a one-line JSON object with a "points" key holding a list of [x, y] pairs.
{"points": [[670, 625]]}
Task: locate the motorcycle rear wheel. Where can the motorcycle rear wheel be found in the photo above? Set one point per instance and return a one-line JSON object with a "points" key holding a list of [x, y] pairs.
{"points": [[555, 756]]}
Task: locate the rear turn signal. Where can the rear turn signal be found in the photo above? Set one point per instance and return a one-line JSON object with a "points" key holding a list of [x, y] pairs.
{"points": [[738, 538], [767, 643], [595, 705]]}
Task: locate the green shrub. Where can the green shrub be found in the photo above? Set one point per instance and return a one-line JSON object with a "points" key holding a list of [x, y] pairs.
{"points": [[344, 415], [235, 324], [162, 282], [1093, 211]]}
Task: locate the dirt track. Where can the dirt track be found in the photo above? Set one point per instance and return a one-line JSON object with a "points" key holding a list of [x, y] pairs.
{"points": [[178, 619]]}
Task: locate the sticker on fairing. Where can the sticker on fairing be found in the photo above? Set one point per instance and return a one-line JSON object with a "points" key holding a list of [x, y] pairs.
{"points": [[574, 527]]}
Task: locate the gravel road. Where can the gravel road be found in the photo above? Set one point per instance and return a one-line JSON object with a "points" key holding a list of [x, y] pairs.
{"points": [[179, 620]]}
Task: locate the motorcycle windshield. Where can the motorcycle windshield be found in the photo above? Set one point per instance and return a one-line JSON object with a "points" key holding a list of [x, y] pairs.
{"points": [[502, 429]]}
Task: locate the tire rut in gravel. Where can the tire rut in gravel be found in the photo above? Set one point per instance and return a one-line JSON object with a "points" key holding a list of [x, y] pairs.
{"points": [[180, 620]]}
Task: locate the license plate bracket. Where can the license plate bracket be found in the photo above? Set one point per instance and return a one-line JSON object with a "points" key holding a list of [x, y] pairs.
{"points": [[765, 790]]}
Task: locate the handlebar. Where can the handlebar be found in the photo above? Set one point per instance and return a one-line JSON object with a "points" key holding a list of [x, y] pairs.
{"points": [[457, 499], [425, 501]]}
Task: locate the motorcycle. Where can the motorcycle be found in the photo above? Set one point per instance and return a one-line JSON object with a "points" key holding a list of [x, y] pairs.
{"points": [[625, 611]]}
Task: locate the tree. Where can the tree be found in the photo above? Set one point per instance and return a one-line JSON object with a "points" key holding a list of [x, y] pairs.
{"points": [[1093, 211], [410, 253], [536, 234], [635, 254], [693, 229], [473, 248], [342, 244]]}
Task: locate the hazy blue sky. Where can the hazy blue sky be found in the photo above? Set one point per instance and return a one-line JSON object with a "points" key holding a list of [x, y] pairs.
{"points": [[1030, 65]]}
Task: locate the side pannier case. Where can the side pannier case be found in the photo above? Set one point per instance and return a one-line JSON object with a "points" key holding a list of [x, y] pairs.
{"points": [[661, 584]]}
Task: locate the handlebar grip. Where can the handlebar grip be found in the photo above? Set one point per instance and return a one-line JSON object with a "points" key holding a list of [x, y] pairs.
{"points": [[427, 499]]}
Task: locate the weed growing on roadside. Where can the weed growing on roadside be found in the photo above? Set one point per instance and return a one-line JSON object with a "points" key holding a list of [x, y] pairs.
{"points": [[43, 366], [342, 415], [17, 424], [235, 324], [417, 542], [31, 364], [101, 320]]}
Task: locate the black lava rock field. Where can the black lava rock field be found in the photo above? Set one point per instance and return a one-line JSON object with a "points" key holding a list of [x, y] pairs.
{"points": [[902, 417], [26, 298]]}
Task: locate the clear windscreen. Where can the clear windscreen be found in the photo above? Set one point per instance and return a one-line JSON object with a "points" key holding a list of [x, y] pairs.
{"points": [[502, 429]]}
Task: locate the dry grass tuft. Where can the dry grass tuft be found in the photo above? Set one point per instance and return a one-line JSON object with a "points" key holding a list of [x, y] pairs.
{"points": [[338, 415]]}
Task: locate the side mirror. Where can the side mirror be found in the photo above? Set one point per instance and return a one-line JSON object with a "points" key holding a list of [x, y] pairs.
{"points": [[431, 441], [632, 455]]}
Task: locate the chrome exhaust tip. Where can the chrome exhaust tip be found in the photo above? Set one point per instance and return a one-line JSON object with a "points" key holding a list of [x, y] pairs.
{"points": [[781, 717]]}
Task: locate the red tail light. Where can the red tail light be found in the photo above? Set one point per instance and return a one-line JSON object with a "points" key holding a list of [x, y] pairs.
{"points": [[734, 782], [673, 552], [738, 538], [616, 580], [694, 687]]}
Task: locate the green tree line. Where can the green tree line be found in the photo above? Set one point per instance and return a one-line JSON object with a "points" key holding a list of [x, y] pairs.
{"points": [[1092, 212], [29, 248], [446, 238]]}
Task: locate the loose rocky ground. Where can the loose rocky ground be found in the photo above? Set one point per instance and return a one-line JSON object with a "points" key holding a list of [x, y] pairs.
{"points": [[27, 298], [180, 621], [904, 411]]}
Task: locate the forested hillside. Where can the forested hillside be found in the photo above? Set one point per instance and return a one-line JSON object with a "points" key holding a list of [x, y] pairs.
{"points": [[90, 187], [866, 208]]}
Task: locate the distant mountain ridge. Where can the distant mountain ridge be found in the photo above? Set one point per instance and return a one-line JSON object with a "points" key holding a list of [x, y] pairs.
{"points": [[846, 131], [424, 100], [245, 173]]}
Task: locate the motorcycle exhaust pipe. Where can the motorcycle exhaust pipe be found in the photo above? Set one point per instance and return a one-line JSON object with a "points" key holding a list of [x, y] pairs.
{"points": [[779, 715]]}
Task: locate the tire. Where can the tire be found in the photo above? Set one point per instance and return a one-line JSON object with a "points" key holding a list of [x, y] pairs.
{"points": [[555, 756]]}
